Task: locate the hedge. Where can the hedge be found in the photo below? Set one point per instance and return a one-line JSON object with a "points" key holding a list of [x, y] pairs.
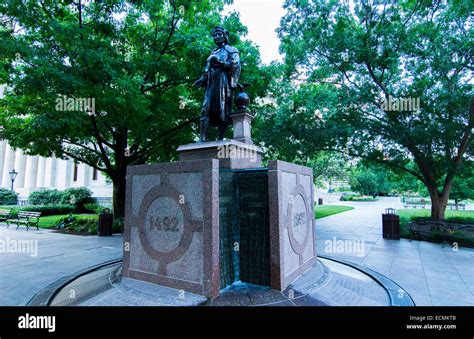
{"points": [[7, 197], [44, 209]]}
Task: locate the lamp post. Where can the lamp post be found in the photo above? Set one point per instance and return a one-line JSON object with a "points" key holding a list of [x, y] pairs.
{"points": [[13, 175]]}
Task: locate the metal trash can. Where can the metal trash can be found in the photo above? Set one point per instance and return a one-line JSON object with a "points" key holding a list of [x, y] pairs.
{"points": [[320, 201], [106, 220], [390, 225]]}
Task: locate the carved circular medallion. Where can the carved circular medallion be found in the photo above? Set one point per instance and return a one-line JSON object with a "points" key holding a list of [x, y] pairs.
{"points": [[164, 224], [298, 219]]}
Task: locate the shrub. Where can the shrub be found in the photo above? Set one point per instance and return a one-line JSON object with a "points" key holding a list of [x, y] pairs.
{"points": [[93, 208], [44, 209], [76, 224], [8, 197], [45, 197], [341, 189], [356, 197], [117, 225], [77, 196]]}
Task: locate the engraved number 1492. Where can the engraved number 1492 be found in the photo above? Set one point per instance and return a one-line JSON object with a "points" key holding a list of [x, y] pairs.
{"points": [[166, 224]]}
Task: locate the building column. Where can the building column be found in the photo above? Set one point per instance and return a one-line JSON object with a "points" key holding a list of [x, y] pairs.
{"points": [[50, 173], [87, 175], [62, 173], [20, 167], [40, 180], [31, 171], [3, 155], [68, 173], [8, 165]]}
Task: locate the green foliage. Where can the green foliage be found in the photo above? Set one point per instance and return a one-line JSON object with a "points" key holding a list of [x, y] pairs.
{"points": [[136, 59], [463, 185], [328, 167], [45, 197], [117, 225], [7, 197], [342, 189], [407, 215], [93, 208], [51, 221], [44, 209], [356, 197], [461, 237], [346, 62], [78, 224], [322, 211], [370, 181], [79, 197]]}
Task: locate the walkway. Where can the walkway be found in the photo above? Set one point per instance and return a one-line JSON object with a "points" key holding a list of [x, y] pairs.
{"points": [[50, 257], [433, 274]]}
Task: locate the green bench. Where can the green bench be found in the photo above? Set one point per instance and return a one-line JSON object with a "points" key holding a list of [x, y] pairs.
{"points": [[25, 218], [4, 215]]}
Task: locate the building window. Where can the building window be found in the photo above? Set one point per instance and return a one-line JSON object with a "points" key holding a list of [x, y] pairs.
{"points": [[74, 178], [95, 174]]}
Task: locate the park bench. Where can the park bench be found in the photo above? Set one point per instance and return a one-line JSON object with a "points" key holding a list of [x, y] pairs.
{"points": [[460, 205], [26, 218], [414, 203], [4, 215]]}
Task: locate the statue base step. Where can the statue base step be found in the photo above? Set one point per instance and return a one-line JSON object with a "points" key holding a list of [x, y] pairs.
{"points": [[231, 154]]}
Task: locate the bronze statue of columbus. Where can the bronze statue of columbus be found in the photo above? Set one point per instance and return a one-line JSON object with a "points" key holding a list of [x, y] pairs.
{"points": [[220, 79]]}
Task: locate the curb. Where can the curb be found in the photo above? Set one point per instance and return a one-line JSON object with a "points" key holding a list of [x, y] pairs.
{"points": [[398, 296], [46, 295]]}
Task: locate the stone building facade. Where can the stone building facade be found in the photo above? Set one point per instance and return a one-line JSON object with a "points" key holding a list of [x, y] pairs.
{"points": [[36, 173]]}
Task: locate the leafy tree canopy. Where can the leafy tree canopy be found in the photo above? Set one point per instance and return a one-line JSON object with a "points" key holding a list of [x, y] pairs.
{"points": [[350, 65]]}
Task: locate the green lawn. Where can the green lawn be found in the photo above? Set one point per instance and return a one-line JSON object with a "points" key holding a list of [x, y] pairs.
{"points": [[327, 210], [406, 215], [51, 220]]}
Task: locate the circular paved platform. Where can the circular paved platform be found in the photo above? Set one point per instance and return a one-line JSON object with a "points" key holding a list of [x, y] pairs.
{"points": [[327, 283]]}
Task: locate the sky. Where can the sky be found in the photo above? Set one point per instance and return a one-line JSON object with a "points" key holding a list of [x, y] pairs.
{"points": [[262, 18]]}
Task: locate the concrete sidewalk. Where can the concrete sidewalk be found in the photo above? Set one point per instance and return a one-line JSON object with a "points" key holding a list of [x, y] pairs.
{"points": [[433, 274], [50, 257]]}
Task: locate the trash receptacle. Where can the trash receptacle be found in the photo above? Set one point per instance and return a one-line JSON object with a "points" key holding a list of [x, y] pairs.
{"points": [[106, 220], [320, 201], [390, 225]]}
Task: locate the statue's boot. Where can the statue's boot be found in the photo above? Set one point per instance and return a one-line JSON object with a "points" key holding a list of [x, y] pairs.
{"points": [[222, 128], [204, 129]]}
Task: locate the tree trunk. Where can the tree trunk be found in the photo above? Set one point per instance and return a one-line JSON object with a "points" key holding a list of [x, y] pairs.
{"points": [[119, 182], [438, 203]]}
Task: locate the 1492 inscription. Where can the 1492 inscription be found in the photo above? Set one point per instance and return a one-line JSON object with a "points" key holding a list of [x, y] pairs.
{"points": [[299, 219], [165, 224]]}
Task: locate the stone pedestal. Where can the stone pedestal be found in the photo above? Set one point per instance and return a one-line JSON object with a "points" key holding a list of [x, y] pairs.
{"points": [[216, 217], [182, 218], [242, 126], [232, 154]]}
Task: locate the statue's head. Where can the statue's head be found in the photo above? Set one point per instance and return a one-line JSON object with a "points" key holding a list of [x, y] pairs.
{"points": [[220, 35]]}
